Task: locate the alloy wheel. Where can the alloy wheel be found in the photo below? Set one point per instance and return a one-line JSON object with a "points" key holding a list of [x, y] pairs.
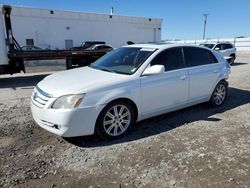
{"points": [[117, 120], [220, 94]]}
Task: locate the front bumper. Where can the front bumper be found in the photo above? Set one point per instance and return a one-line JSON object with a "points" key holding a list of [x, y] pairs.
{"points": [[66, 122]]}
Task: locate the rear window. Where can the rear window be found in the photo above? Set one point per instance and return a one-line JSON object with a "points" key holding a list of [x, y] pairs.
{"points": [[199, 56]]}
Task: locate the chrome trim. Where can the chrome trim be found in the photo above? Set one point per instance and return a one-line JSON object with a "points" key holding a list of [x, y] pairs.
{"points": [[40, 98], [43, 92]]}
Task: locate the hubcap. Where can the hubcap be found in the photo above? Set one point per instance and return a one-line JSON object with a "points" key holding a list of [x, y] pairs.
{"points": [[117, 120], [219, 94]]}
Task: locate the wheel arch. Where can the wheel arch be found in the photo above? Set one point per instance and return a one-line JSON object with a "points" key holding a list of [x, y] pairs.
{"points": [[226, 85], [232, 55], [219, 80], [224, 81], [131, 102]]}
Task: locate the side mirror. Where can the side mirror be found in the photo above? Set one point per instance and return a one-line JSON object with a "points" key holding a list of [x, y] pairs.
{"points": [[217, 49], [154, 70]]}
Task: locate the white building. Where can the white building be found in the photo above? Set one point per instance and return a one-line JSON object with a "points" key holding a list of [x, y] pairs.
{"points": [[58, 29]]}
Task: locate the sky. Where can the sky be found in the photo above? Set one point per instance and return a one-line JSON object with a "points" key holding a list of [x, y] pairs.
{"points": [[182, 19]]}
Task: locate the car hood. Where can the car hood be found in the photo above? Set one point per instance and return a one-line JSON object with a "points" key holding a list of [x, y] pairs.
{"points": [[79, 80]]}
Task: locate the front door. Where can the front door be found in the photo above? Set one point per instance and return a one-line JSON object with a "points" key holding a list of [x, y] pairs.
{"points": [[168, 90]]}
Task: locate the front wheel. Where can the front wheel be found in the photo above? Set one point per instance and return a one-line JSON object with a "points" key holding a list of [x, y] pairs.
{"points": [[219, 94], [232, 60], [115, 120]]}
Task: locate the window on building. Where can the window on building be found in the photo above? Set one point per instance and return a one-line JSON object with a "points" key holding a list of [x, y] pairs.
{"points": [[30, 42], [68, 44]]}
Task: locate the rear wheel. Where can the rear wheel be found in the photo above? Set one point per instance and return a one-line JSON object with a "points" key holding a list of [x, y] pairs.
{"points": [[219, 95], [115, 120]]}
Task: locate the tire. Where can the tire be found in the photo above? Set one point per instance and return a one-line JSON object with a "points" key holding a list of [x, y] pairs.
{"points": [[231, 62], [68, 64], [115, 120], [219, 94]]}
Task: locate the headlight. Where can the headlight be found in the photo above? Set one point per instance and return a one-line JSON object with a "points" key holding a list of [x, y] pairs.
{"points": [[68, 101]]}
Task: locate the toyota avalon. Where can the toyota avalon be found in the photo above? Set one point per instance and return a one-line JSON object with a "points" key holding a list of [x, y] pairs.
{"points": [[128, 85]]}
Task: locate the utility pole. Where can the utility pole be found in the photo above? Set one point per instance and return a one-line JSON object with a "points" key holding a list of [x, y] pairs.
{"points": [[205, 24], [111, 12]]}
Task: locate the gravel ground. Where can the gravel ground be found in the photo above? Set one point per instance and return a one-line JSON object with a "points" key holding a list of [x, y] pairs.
{"points": [[196, 147]]}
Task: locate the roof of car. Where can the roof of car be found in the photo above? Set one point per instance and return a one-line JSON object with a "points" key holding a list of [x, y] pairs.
{"points": [[209, 43], [160, 45], [225, 42], [95, 45]]}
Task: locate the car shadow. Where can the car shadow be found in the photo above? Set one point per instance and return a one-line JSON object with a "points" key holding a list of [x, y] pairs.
{"points": [[169, 121], [21, 81], [238, 63]]}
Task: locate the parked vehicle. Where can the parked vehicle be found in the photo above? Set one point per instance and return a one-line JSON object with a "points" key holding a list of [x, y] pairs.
{"points": [[87, 44], [100, 47], [73, 62], [225, 48], [129, 84], [31, 48]]}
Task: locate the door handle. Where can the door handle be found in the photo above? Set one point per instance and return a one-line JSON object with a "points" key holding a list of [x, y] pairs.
{"points": [[215, 71], [184, 77]]}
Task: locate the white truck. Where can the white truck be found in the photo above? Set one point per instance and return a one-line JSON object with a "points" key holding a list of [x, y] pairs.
{"points": [[4, 61], [227, 49], [59, 29]]}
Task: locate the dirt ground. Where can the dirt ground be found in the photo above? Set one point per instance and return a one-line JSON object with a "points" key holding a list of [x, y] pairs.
{"points": [[196, 147]]}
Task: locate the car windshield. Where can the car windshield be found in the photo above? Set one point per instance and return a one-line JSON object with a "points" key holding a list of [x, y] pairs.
{"points": [[208, 45], [91, 47], [124, 60]]}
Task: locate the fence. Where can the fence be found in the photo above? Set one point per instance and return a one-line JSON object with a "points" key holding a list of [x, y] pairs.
{"points": [[242, 44]]}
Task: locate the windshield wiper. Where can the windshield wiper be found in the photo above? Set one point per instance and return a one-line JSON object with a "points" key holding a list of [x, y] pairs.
{"points": [[102, 68]]}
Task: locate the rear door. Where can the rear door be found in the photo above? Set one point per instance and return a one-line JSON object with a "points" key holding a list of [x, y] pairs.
{"points": [[203, 72], [167, 90]]}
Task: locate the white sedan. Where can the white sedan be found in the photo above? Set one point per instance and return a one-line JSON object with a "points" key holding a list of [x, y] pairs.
{"points": [[127, 85]]}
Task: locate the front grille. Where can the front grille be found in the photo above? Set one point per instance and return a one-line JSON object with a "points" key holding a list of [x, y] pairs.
{"points": [[40, 98]]}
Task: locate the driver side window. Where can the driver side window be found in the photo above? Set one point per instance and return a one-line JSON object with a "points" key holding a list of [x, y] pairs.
{"points": [[219, 46], [171, 59]]}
